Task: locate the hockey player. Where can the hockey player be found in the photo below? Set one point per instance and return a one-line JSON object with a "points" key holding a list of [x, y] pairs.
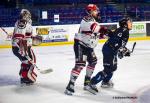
{"points": [[84, 43], [21, 47], [116, 44]]}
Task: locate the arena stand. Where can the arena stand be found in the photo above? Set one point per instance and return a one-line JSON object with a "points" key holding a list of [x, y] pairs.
{"points": [[71, 11], [70, 14]]}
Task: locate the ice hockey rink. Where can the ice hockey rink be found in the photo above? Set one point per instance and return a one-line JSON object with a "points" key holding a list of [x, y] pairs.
{"points": [[132, 79]]}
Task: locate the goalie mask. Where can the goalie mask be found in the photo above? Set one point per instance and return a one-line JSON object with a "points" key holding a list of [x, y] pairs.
{"points": [[25, 15]]}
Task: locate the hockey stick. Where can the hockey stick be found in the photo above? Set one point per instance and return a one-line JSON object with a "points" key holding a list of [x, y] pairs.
{"points": [[45, 71], [133, 47], [4, 31], [8, 35]]}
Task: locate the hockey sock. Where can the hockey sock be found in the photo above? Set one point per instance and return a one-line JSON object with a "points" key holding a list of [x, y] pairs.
{"points": [[75, 73], [89, 71]]}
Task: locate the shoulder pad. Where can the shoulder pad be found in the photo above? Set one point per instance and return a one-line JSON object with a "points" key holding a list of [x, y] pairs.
{"points": [[88, 19]]}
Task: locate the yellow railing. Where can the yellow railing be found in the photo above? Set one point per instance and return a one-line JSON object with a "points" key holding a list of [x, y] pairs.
{"points": [[71, 42]]}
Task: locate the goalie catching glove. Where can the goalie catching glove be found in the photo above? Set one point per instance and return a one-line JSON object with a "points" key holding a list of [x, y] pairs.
{"points": [[37, 40], [123, 52]]}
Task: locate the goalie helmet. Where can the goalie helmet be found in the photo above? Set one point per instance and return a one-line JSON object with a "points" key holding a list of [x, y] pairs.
{"points": [[123, 22], [25, 15]]}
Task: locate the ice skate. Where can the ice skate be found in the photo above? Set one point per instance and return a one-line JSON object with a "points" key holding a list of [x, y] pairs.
{"points": [[69, 89], [109, 84], [91, 88], [26, 82], [86, 82]]}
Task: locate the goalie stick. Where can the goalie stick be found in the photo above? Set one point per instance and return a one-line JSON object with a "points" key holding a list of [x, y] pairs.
{"points": [[42, 71], [4, 31], [133, 47], [8, 35]]}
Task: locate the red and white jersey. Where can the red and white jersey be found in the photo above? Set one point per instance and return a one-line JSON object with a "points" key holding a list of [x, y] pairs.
{"points": [[22, 31], [88, 34]]}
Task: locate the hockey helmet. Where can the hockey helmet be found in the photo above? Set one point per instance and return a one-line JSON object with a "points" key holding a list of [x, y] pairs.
{"points": [[91, 7], [25, 15], [123, 22]]}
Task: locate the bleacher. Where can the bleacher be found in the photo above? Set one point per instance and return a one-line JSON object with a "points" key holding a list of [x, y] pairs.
{"points": [[72, 11]]}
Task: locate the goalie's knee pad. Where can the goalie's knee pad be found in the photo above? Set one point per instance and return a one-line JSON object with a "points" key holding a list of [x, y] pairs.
{"points": [[27, 73]]}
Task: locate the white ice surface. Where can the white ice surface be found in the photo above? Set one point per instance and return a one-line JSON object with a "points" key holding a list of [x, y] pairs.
{"points": [[132, 78]]}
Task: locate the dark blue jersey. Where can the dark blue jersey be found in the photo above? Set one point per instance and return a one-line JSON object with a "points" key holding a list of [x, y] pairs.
{"points": [[118, 38]]}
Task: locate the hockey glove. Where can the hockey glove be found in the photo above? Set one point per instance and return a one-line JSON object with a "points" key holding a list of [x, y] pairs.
{"points": [[30, 61], [102, 31], [127, 52], [123, 52]]}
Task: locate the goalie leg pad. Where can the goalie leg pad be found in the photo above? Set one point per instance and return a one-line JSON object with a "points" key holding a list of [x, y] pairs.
{"points": [[31, 74], [27, 74]]}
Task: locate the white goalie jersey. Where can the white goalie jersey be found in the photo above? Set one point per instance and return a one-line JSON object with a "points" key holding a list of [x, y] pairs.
{"points": [[88, 34], [22, 31]]}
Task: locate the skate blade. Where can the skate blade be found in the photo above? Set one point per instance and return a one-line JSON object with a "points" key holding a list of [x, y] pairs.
{"points": [[26, 84], [105, 86], [68, 93], [90, 90]]}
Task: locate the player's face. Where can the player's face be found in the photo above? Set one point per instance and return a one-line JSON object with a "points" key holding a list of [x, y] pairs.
{"points": [[95, 13], [129, 23]]}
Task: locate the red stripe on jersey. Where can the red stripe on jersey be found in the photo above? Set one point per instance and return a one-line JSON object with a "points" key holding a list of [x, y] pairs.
{"points": [[18, 36], [93, 26]]}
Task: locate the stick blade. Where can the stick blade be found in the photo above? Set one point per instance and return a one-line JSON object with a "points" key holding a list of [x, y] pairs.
{"points": [[46, 71], [133, 47]]}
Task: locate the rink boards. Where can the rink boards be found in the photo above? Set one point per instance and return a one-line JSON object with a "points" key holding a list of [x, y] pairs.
{"points": [[64, 34]]}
